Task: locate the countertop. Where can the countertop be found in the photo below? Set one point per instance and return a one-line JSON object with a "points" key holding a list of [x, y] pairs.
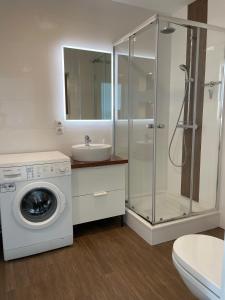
{"points": [[114, 160]]}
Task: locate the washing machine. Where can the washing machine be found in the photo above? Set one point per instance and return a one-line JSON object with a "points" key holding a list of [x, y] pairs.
{"points": [[35, 203]]}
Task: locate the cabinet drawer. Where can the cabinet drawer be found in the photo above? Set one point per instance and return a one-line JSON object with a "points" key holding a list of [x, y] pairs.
{"points": [[98, 206], [91, 180]]}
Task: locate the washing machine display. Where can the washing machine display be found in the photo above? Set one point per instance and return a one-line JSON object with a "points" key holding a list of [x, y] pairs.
{"points": [[38, 205]]}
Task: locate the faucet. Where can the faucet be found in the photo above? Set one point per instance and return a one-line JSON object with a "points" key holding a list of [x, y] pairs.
{"points": [[87, 140]]}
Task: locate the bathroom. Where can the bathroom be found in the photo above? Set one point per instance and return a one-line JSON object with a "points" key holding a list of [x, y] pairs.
{"points": [[33, 119]]}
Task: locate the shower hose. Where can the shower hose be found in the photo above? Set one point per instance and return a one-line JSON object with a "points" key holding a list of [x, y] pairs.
{"points": [[175, 130]]}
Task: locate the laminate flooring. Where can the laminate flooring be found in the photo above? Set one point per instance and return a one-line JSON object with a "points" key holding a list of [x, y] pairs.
{"points": [[106, 262]]}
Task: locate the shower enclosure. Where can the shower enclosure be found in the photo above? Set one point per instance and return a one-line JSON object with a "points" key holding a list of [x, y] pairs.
{"points": [[168, 109]]}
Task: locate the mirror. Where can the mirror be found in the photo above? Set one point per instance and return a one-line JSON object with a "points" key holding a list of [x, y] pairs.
{"points": [[87, 78]]}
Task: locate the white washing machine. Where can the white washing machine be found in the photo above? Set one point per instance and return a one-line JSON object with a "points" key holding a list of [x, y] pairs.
{"points": [[36, 204]]}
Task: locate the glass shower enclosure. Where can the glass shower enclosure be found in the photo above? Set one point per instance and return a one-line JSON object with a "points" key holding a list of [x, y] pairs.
{"points": [[168, 111]]}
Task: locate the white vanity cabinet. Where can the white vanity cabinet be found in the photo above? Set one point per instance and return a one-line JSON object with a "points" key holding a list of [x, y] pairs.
{"points": [[98, 192]]}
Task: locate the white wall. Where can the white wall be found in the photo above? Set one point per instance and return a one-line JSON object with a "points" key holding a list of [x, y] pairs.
{"points": [[31, 91], [216, 17]]}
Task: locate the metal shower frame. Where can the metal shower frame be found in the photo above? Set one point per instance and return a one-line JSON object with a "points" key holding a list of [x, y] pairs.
{"points": [[128, 38]]}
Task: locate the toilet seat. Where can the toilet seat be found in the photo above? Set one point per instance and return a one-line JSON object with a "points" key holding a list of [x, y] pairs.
{"points": [[196, 287], [202, 257]]}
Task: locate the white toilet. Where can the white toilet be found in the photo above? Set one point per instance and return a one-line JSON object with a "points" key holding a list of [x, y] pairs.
{"points": [[199, 260]]}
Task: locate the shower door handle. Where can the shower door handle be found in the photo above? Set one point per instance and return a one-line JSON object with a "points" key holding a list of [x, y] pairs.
{"points": [[150, 126], [160, 126]]}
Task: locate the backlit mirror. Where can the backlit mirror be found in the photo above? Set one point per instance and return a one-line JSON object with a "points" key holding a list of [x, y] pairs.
{"points": [[87, 81]]}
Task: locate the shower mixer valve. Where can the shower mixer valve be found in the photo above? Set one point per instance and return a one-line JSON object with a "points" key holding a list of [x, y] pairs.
{"points": [[160, 126]]}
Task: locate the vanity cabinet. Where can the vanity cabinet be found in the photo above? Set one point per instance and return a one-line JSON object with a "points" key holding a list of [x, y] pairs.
{"points": [[98, 192]]}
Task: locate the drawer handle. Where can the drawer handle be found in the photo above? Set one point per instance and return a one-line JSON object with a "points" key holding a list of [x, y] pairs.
{"points": [[12, 175], [99, 194]]}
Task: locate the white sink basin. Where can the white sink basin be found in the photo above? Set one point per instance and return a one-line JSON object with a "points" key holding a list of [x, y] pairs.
{"points": [[93, 152]]}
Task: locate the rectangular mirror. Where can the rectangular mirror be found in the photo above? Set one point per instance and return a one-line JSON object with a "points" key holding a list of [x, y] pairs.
{"points": [[87, 81]]}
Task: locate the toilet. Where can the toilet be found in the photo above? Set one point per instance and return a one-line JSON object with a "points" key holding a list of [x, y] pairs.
{"points": [[199, 260]]}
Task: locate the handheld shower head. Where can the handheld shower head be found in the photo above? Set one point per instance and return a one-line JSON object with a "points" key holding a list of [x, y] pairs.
{"points": [[183, 68]]}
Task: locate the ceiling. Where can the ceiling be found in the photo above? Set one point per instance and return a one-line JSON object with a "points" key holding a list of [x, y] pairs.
{"points": [[163, 6]]}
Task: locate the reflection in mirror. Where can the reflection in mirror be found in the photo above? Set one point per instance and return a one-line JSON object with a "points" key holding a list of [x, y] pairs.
{"points": [[87, 80]]}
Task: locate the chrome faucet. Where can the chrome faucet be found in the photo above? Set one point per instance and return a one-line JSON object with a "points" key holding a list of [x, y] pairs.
{"points": [[87, 140]]}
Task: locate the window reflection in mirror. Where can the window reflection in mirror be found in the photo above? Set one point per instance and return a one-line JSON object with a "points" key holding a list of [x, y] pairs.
{"points": [[87, 81]]}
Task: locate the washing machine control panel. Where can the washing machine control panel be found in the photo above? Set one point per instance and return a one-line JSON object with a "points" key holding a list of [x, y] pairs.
{"points": [[23, 173], [48, 170], [13, 174]]}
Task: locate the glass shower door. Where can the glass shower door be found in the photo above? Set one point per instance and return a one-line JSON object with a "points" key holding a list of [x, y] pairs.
{"points": [[212, 83], [189, 107], [173, 160], [141, 121]]}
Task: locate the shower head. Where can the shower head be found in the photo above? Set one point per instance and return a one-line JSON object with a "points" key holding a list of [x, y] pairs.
{"points": [[168, 29]]}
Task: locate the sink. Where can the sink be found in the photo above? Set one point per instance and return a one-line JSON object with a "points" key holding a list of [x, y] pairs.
{"points": [[91, 152]]}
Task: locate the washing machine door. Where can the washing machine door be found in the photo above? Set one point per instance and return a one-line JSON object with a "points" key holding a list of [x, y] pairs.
{"points": [[38, 205]]}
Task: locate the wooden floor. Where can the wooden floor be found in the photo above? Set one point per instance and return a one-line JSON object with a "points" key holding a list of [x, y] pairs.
{"points": [[106, 262]]}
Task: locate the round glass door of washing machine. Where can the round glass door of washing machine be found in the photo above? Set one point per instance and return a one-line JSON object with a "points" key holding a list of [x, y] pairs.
{"points": [[38, 205]]}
